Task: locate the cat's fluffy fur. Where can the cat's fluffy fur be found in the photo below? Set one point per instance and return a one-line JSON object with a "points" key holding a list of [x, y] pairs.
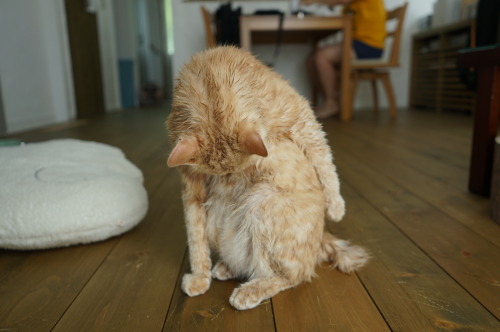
{"points": [[257, 178]]}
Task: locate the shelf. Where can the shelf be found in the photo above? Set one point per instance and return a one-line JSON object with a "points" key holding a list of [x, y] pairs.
{"points": [[435, 79]]}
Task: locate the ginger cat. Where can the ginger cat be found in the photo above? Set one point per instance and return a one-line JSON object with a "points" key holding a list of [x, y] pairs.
{"points": [[257, 177]]}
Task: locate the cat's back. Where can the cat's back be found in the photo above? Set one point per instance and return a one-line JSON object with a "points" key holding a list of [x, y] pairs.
{"points": [[217, 87], [233, 82], [222, 64], [222, 71]]}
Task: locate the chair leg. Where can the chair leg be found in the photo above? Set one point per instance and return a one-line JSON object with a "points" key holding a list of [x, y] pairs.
{"points": [[386, 81], [375, 95], [352, 95]]}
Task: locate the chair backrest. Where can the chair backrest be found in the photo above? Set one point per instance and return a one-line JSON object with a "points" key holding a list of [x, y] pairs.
{"points": [[395, 33], [390, 57], [207, 21]]}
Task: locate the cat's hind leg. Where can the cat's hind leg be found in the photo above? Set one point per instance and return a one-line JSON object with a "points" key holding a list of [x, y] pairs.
{"points": [[222, 272], [343, 255], [252, 293]]}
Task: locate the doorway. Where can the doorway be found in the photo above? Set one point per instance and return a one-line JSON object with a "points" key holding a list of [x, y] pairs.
{"points": [[153, 56], [85, 59], [117, 48], [142, 35]]}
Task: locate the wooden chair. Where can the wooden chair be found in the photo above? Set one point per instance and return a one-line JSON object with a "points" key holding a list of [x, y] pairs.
{"points": [[207, 21], [374, 70]]}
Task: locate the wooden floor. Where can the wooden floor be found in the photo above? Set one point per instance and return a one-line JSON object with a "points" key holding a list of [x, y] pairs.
{"points": [[435, 252]]}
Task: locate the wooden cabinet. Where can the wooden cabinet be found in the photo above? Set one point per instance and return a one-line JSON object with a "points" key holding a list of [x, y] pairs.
{"points": [[435, 81]]}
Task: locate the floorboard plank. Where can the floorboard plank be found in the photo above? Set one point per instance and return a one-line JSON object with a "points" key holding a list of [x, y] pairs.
{"points": [[212, 311], [431, 144], [36, 287], [467, 257], [470, 210], [425, 161], [412, 292], [134, 285], [332, 301]]}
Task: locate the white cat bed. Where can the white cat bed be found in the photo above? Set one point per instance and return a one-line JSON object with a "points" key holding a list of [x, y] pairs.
{"points": [[65, 192]]}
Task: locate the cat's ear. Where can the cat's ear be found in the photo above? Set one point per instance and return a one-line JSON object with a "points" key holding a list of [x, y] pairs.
{"points": [[183, 152], [252, 143]]}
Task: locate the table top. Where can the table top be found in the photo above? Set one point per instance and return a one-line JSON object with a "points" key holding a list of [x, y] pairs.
{"points": [[309, 22], [480, 56]]}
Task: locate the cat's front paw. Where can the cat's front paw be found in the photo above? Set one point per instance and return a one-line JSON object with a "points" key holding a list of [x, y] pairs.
{"points": [[336, 209], [221, 272], [195, 284], [245, 297]]}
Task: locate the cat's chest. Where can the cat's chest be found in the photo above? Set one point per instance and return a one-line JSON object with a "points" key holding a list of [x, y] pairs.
{"points": [[230, 229], [227, 202]]}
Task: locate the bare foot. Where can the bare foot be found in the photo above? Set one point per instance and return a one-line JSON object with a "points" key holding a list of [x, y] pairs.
{"points": [[327, 110]]}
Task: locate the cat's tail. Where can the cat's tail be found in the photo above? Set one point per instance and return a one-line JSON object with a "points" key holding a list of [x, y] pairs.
{"points": [[343, 255]]}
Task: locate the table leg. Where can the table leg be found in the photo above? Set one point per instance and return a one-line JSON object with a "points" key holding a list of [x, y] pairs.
{"points": [[345, 82]]}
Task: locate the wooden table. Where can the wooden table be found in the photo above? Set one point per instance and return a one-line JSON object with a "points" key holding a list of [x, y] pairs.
{"points": [[308, 28], [487, 64]]}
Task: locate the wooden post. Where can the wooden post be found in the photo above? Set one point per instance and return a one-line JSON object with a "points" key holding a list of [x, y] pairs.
{"points": [[495, 184], [486, 114]]}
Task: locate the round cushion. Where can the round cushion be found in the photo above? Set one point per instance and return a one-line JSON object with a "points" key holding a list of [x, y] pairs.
{"points": [[64, 192]]}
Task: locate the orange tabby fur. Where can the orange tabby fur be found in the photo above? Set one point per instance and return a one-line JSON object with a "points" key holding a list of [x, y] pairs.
{"points": [[257, 178]]}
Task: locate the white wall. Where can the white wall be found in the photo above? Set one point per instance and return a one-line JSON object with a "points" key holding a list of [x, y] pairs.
{"points": [[189, 33], [150, 39], [35, 64], [107, 47], [189, 38]]}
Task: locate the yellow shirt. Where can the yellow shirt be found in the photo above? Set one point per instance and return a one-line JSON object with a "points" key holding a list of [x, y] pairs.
{"points": [[368, 21]]}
